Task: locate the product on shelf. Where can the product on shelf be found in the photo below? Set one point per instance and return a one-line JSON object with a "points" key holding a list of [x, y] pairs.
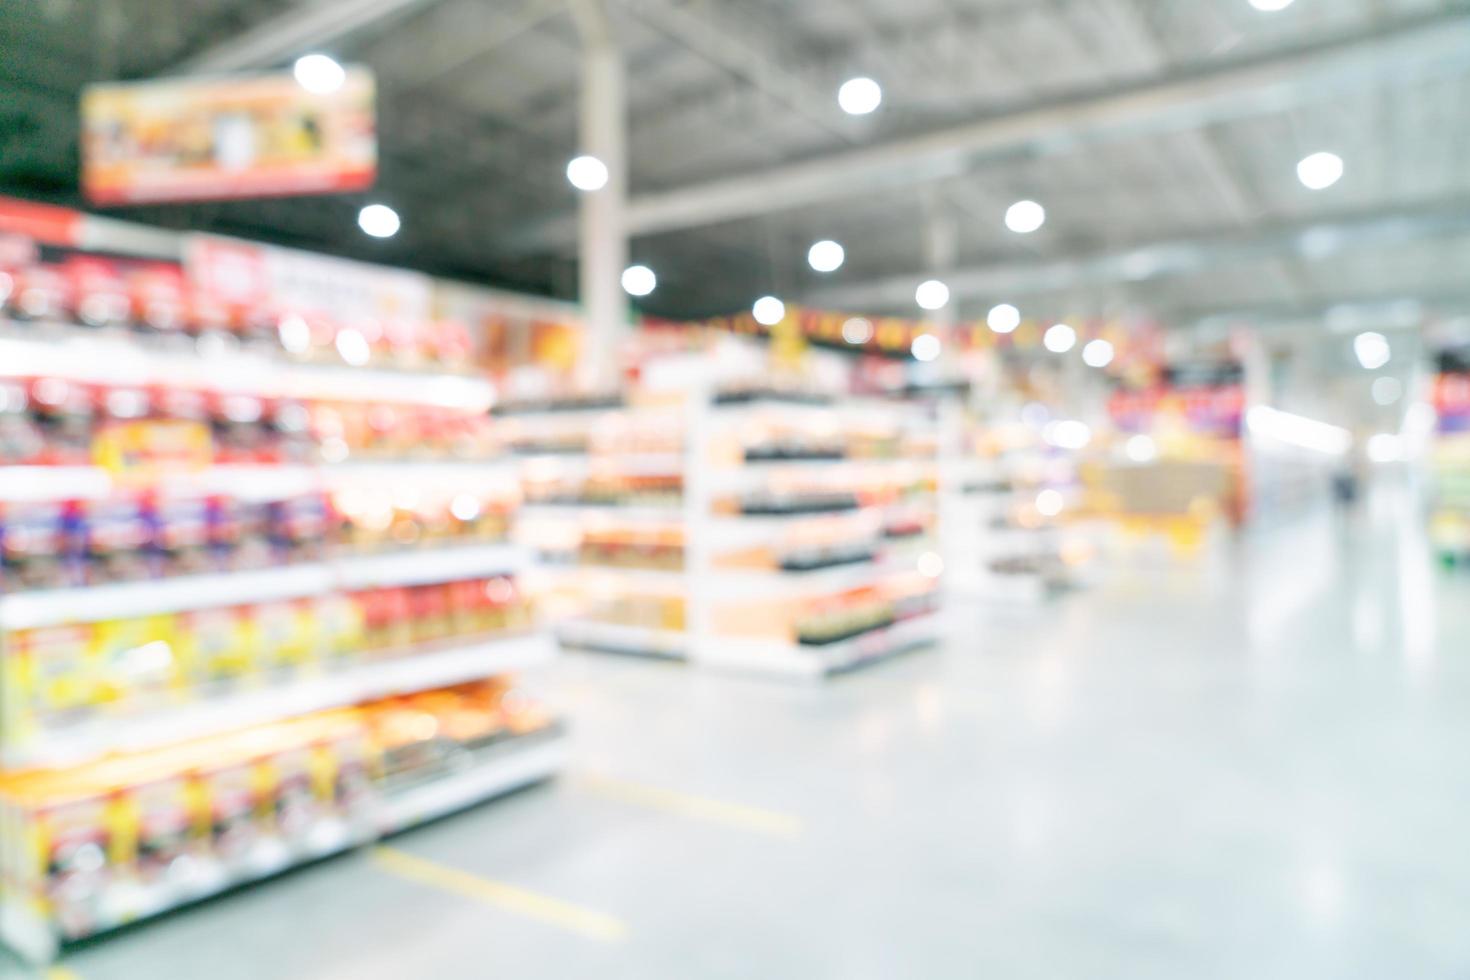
{"points": [[633, 547], [621, 489], [58, 675], [656, 612], [95, 846]]}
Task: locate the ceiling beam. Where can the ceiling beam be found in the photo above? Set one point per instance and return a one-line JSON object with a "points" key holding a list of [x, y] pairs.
{"points": [[1181, 101], [294, 31], [1310, 240]]}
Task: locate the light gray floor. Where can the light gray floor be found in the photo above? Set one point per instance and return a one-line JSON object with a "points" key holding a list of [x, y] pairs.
{"points": [[1254, 766]]}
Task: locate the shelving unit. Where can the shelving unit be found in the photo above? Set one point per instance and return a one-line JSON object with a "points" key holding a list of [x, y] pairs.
{"points": [[30, 922]]}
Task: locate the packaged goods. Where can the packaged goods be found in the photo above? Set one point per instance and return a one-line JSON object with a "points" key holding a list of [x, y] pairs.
{"points": [[63, 413], [41, 545], [136, 660], [50, 676], [217, 647]]}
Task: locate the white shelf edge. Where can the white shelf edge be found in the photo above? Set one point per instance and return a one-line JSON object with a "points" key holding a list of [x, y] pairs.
{"points": [[672, 513], [403, 674], [510, 768], [781, 658], [29, 610], [617, 636]]}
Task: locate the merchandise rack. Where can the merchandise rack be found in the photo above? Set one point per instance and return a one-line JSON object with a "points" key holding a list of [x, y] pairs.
{"points": [[706, 582], [115, 358]]}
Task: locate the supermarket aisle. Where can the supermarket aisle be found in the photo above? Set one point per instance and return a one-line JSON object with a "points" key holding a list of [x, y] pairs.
{"points": [[1250, 768]]}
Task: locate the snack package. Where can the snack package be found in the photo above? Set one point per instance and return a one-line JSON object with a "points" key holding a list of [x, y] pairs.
{"points": [[158, 301], [136, 660], [41, 292], [70, 822], [181, 539], [217, 647], [20, 437], [299, 528], [63, 413], [340, 626], [156, 828], [119, 540], [386, 617], [49, 677], [41, 545], [286, 633]]}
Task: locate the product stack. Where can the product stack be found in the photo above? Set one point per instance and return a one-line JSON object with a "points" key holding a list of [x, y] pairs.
{"points": [[1449, 523]]}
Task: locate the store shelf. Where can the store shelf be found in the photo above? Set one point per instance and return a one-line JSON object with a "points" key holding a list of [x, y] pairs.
{"points": [[788, 659], [622, 512], [429, 566], [591, 634], [124, 903], [636, 464], [123, 361], [670, 580], [97, 603], [493, 772], [402, 674], [779, 583]]}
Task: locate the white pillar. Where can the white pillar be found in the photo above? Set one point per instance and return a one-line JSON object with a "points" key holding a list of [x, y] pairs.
{"points": [[603, 247]]}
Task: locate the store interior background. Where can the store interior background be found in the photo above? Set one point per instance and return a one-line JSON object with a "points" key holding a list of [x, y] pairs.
{"points": [[795, 488]]}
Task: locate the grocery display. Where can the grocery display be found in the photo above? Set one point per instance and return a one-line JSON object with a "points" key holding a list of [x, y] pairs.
{"points": [[258, 601], [1449, 520]]}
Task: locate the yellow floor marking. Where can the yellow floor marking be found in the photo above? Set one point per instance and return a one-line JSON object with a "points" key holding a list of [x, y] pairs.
{"points": [[553, 911], [61, 973], [698, 807]]}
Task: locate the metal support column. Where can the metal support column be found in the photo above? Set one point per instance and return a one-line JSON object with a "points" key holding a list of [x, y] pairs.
{"points": [[603, 236]]}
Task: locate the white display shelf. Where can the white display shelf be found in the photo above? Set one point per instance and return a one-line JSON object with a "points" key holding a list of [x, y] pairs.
{"points": [[618, 638], [613, 576], [430, 565], [124, 903], [621, 512], [503, 770], [789, 659], [561, 464], [97, 603], [125, 600], [779, 583], [402, 674], [120, 360]]}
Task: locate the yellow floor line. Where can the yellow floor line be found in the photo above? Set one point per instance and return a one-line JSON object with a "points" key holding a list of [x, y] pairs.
{"points": [[553, 911], [749, 818], [61, 973]]}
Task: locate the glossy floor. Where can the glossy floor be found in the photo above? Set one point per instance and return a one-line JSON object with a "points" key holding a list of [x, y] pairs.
{"points": [[1253, 766]]}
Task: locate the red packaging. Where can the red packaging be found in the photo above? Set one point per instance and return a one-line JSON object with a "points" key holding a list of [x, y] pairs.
{"points": [[158, 300], [42, 292], [430, 609], [98, 294]]}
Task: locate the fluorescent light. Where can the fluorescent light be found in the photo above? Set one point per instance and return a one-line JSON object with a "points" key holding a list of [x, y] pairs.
{"points": [[1097, 353], [925, 347], [769, 311], [1385, 447], [1024, 217], [1059, 338], [1387, 391], [378, 220], [857, 330], [1271, 6], [1049, 502], [318, 73], [639, 280], [1372, 350], [825, 256], [1320, 170], [1141, 449], [1003, 318], [1298, 430], [859, 96], [932, 295], [587, 173]]}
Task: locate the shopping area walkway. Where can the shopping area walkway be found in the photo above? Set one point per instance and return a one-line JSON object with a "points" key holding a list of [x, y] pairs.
{"points": [[1250, 766]]}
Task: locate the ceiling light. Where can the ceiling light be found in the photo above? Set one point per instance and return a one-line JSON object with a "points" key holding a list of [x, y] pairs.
{"points": [[1385, 447], [1141, 449], [639, 280], [1372, 350], [1320, 170], [932, 295], [378, 220], [1271, 6], [587, 173], [318, 73], [859, 96], [825, 256], [769, 311], [1097, 353], [1067, 433], [1024, 217], [1387, 390], [1049, 502], [1059, 338], [1003, 318], [857, 331], [925, 347]]}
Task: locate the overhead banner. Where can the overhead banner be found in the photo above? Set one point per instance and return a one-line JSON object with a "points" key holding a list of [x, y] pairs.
{"points": [[201, 139]]}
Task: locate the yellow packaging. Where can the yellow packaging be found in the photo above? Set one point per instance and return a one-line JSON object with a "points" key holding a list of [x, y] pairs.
{"points": [[216, 646], [287, 633], [136, 660]]}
